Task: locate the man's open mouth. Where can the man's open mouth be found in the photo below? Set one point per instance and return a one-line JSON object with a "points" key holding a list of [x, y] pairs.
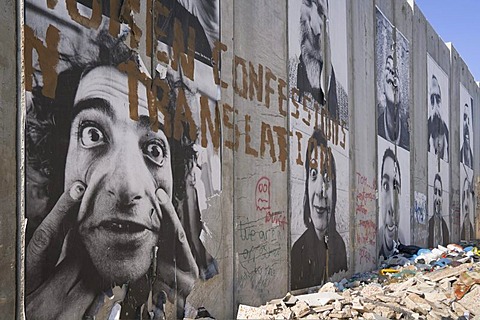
{"points": [[320, 210], [390, 228], [123, 226]]}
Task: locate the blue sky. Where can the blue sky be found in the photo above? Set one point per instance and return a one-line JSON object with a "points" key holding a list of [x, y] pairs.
{"points": [[457, 21]]}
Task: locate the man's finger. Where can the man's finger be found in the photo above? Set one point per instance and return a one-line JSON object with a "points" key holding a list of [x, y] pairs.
{"points": [[45, 246]]}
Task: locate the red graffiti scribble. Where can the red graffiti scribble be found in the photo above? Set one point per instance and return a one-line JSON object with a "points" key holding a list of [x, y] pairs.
{"points": [[365, 196], [262, 203], [262, 194], [365, 256], [367, 232], [276, 218]]}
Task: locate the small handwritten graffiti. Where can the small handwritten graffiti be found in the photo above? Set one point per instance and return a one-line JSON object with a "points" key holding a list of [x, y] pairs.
{"points": [[261, 276], [260, 254], [365, 195], [366, 233], [420, 207], [260, 247], [249, 231]]}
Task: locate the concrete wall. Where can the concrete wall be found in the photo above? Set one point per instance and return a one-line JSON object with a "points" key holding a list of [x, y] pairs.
{"points": [[363, 149], [250, 226], [9, 112]]}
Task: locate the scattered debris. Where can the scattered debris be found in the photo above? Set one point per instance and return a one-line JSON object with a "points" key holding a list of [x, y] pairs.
{"points": [[443, 283]]}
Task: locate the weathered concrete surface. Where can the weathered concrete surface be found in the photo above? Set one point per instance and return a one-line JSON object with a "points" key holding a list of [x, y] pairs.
{"points": [[8, 164], [419, 114], [260, 244], [362, 99], [217, 294]]}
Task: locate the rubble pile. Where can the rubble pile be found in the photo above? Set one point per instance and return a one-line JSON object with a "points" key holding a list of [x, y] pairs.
{"points": [[443, 283]]}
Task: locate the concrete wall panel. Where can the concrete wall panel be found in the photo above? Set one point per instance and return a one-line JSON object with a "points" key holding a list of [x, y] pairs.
{"points": [[260, 196], [418, 127], [363, 133], [8, 162]]}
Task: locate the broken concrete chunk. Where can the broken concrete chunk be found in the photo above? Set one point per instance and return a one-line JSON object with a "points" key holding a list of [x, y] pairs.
{"points": [[372, 290], [248, 312], [471, 301], [321, 309], [290, 300], [385, 312], [368, 316], [385, 298], [357, 305], [320, 298], [337, 305], [301, 308], [435, 297], [448, 272], [339, 315], [416, 303], [328, 287]]}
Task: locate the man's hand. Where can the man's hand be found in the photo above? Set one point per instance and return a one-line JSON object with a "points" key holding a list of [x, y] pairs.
{"points": [[56, 291], [46, 244], [177, 270]]}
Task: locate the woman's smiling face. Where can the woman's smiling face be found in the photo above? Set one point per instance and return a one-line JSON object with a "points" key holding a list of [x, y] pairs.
{"points": [[319, 193]]}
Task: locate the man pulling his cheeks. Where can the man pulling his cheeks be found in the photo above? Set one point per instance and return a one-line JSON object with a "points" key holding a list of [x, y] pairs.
{"points": [[115, 220]]}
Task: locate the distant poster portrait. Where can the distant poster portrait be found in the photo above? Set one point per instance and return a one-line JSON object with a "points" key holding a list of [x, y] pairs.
{"points": [[466, 128], [438, 207], [319, 145], [467, 204], [392, 67], [467, 198], [438, 110], [394, 197], [117, 175]]}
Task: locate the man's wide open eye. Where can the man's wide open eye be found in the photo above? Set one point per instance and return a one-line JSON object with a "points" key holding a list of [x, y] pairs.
{"points": [[155, 151], [90, 135], [385, 186]]}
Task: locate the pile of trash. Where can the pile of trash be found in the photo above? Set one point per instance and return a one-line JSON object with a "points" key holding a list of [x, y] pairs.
{"points": [[442, 283]]}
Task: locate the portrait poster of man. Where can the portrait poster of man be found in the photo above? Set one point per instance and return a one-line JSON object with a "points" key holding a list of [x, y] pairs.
{"points": [[318, 81], [116, 191], [438, 110], [466, 128], [438, 201], [393, 83], [394, 198], [467, 204]]}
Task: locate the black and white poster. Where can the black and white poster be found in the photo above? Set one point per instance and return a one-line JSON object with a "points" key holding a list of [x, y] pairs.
{"points": [[438, 155], [117, 173], [467, 198], [392, 56], [319, 158]]}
